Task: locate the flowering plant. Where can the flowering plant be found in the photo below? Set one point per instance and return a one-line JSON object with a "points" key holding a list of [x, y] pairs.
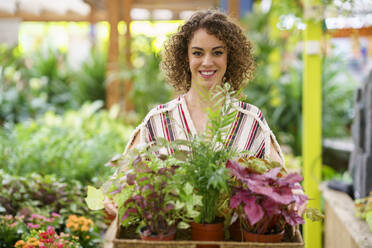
{"points": [[48, 239], [265, 199], [42, 232], [11, 229]]}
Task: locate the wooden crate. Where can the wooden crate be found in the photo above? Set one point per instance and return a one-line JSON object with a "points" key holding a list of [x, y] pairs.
{"points": [[296, 242]]}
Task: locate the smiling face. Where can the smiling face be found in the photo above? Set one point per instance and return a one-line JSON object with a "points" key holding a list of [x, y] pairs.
{"points": [[207, 59]]}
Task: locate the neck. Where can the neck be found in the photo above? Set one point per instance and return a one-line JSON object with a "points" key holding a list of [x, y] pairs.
{"points": [[198, 98]]}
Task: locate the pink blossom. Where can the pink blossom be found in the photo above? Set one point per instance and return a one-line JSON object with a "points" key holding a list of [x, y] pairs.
{"points": [[32, 225], [36, 216], [54, 214], [48, 220]]}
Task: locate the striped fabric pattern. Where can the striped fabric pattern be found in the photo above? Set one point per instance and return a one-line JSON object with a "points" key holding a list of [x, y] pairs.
{"points": [[172, 121]]}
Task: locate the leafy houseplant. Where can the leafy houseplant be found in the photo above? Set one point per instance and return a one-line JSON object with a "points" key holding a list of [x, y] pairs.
{"points": [[205, 163], [264, 197], [151, 195]]}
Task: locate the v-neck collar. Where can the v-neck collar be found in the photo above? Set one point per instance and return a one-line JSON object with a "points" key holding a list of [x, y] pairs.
{"points": [[188, 116]]}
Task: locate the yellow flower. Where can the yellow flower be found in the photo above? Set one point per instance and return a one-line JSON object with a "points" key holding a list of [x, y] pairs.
{"points": [[84, 228], [19, 243], [87, 237], [33, 241]]}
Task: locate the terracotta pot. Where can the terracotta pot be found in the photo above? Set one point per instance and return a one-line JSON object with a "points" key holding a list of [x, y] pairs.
{"points": [[236, 233], [161, 237], [207, 232], [263, 238]]}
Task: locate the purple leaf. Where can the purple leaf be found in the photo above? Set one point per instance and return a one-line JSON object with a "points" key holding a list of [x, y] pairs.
{"points": [[253, 211], [292, 218], [128, 201], [235, 200], [169, 207], [282, 195], [153, 195], [238, 171], [174, 168], [273, 173], [128, 212], [290, 179], [147, 187], [300, 199], [118, 190], [148, 216], [140, 201], [271, 207], [143, 179], [131, 178], [162, 171]]}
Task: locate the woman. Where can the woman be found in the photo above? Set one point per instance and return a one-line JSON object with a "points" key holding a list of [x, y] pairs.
{"points": [[208, 50]]}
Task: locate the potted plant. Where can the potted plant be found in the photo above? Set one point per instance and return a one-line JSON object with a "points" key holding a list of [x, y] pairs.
{"points": [[149, 194], [205, 169], [264, 199]]}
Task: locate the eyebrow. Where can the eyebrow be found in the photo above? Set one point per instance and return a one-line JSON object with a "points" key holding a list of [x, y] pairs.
{"points": [[214, 48]]}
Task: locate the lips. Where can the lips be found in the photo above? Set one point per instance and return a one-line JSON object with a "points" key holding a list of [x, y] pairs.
{"points": [[207, 73]]}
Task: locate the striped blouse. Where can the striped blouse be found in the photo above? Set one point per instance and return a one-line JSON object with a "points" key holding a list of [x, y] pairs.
{"points": [[248, 132]]}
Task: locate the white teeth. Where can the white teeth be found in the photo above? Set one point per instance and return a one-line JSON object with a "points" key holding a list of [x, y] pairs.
{"points": [[207, 73]]}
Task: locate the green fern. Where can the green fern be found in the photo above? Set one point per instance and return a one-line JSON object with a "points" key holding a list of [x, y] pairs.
{"points": [[205, 165]]}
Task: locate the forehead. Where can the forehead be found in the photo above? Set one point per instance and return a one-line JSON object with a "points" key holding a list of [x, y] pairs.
{"points": [[201, 38]]}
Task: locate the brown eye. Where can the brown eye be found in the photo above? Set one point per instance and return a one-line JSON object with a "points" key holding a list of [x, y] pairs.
{"points": [[196, 53]]}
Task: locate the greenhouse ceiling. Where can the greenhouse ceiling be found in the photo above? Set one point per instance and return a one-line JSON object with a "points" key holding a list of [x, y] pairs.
{"points": [[79, 10]]}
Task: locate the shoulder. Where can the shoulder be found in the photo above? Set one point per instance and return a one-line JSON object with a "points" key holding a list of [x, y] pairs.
{"points": [[163, 108], [249, 109]]}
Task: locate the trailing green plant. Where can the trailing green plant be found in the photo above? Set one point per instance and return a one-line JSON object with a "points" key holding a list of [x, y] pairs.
{"points": [[73, 146]]}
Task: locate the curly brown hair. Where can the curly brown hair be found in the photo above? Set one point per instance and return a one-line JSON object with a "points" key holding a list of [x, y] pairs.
{"points": [[240, 62]]}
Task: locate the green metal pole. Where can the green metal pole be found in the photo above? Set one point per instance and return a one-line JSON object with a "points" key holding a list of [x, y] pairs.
{"points": [[312, 120]]}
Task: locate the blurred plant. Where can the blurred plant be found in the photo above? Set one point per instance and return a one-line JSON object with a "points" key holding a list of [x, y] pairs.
{"points": [[363, 208], [65, 145], [33, 85], [149, 86], [280, 96], [51, 67], [84, 229], [11, 229], [35, 196], [43, 232], [89, 81]]}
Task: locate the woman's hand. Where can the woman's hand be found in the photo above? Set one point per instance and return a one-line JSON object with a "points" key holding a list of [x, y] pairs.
{"points": [[110, 208]]}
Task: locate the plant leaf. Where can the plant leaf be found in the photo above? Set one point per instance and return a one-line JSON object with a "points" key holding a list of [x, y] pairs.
{"points": [[95, 198]]}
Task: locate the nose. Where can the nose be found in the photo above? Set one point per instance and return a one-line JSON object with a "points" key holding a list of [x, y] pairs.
{"points": [[207, 60]]}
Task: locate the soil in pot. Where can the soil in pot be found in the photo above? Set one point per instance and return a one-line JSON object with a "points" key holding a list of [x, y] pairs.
{"points": [[263, 238], [207, 232], [158, 237], [236, 232]]}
